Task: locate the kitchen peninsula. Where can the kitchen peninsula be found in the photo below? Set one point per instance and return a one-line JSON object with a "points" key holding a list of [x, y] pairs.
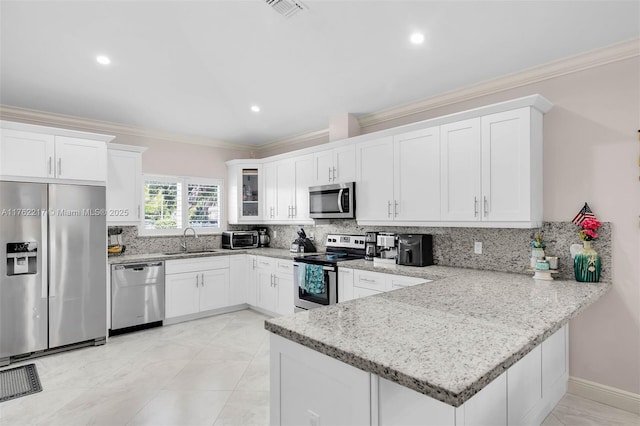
{"points": [[470, 347]]}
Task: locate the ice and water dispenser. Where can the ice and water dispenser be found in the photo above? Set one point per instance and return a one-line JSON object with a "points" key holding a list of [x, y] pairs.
{"points": [[22, 258]]}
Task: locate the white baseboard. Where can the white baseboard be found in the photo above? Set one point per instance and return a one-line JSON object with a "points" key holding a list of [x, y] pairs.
{"points": [[618, 398]]}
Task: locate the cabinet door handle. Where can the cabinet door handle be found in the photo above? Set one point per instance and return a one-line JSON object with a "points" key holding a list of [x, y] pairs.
{"points": [[294, 209], [59, 166], [395, 208], [330, 174], [475, 206], [388, 208], [138, 211], [50, 162], [197, 281], [253, 263], [334, 174], [485, 206], [202, 279]]}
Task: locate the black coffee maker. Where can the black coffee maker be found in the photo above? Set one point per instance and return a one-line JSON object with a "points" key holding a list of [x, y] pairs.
{"points": [[263, 237], [371, 249]]}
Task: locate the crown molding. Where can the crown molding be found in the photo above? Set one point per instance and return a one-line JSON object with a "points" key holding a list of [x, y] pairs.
{"points": [[294, 142], [24, 115], [594, 58]]}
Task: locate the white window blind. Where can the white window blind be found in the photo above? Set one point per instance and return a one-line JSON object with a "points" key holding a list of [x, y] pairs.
{"points": [[171, 204]]}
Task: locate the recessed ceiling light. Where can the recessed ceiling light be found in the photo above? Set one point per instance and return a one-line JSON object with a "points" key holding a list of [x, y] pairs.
{"points": [[417, 38], [255, 108], [103, 60]]}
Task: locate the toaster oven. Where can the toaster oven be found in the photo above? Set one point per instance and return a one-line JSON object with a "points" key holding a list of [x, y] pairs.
{"points": [[237, 240]]}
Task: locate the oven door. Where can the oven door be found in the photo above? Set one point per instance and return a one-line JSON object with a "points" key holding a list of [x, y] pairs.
{"points": [[314, 285]]}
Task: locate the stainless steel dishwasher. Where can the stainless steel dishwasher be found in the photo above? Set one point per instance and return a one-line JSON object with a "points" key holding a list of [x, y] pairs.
{"points": [[137, 294]]}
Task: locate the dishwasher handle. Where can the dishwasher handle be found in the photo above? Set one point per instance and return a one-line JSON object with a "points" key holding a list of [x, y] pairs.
{"points": [[137, 266]]}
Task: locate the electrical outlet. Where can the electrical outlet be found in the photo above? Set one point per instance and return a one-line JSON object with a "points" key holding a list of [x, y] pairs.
{"points": [[275, 233], [477, 247], [312, 236]]}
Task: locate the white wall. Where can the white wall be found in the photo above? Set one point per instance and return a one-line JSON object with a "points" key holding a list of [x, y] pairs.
{"points": [[590, 154]]}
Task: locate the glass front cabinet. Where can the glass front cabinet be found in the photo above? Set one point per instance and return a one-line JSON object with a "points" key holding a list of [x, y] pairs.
{"points": [[244, 192]]}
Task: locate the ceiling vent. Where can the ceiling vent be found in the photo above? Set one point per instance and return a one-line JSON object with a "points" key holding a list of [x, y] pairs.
{"points": [[286, 8]]}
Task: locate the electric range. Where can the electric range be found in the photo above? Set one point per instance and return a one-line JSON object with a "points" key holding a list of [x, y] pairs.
{"points": [[315, 277]]}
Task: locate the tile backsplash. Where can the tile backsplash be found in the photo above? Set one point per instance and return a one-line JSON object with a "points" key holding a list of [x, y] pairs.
{"points": [[503, 249]]}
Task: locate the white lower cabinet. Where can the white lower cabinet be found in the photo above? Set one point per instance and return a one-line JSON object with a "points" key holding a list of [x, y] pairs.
{"points": [[238, 284], [308, 387], [196, 285], [367, 283], [345, 284], [274, 285], [251, 278]]}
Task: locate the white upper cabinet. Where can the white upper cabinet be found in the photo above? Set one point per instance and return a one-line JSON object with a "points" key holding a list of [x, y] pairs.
{"points": [[46, 153], [287, 189], [80, 159], [511, 166], [124, 184], [475, 168], [303, 177], [417, 175], [492, 169], [374, 183], [245, 197], [460, 165], [26, 154], [336, 165], [398, 178]]}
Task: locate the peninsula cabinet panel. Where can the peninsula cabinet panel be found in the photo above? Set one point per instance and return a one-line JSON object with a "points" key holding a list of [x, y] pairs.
{"points": [[524, 387], [486, 408], [309, 388], [417, 175], [461, 172], [401, 406]]}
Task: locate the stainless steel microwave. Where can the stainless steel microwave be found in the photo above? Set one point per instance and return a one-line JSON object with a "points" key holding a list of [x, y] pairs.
{"points": [[336, 201], [235, 240]]}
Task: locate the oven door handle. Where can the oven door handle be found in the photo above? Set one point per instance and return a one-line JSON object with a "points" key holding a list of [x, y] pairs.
{"points": [[324, 268], [340, 201]]}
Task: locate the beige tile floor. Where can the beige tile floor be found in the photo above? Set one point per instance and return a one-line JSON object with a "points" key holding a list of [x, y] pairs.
{"points": [[212, 371]]}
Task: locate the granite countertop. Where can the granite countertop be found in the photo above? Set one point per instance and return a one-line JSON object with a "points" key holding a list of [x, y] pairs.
{"points": [[154, 257], [448, 338]]}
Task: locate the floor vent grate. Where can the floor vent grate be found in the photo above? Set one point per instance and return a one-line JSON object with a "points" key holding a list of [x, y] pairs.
{"points": [[19, 381], [286, 8]]}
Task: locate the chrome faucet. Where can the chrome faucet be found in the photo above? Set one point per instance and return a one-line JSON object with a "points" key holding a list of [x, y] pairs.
{"points": [[184, 237]]}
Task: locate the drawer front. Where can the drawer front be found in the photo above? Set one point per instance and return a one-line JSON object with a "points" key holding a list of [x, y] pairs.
{"points": [[370, 280], [179, 266], [265, 262], [284, 266]]}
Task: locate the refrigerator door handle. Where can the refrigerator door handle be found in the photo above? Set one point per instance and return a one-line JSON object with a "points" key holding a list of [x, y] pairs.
{"points": [[44, 254], [52, 264]]}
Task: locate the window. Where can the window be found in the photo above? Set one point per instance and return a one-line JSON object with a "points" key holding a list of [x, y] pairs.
{"points": [[172, 204]]}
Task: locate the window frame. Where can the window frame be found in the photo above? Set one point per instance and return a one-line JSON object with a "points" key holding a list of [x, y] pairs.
{"points": [[183, 182]]}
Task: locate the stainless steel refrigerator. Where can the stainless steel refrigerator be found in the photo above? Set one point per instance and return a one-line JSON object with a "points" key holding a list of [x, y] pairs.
{"points": [[52, 266]]}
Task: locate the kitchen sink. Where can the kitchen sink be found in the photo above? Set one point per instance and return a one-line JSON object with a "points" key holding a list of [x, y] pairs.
{"points": [[176, 253]]}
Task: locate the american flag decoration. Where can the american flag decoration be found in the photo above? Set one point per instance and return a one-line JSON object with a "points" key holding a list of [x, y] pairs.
{"points": [[584, 213]]}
